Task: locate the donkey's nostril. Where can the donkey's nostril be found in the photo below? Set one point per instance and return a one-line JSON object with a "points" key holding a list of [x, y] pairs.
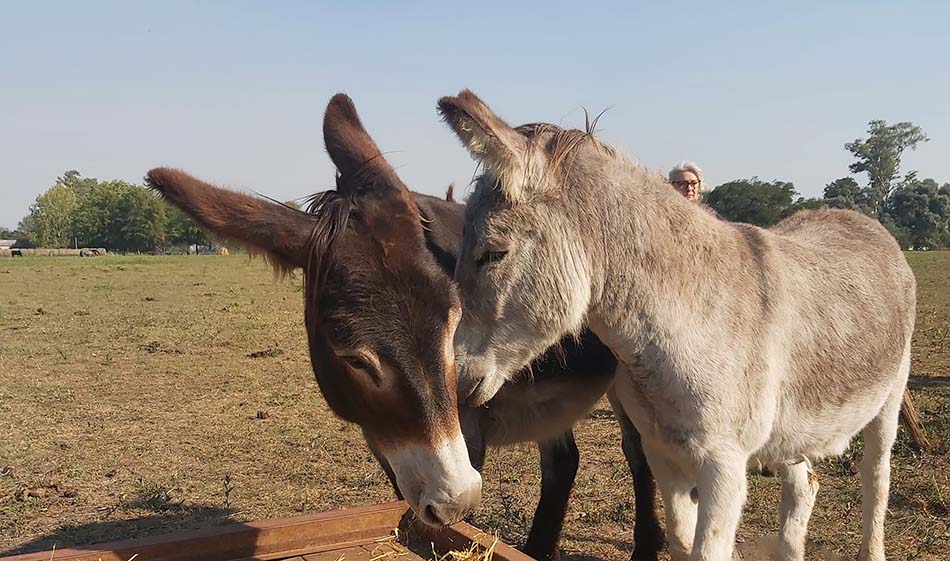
{"points": [[431, 516]]}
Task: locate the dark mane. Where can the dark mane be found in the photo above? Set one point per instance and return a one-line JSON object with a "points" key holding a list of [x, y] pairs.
{"points": [[332, 212]]}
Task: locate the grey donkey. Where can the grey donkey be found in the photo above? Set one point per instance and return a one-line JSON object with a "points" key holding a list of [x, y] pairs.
{"points": [[806, 326]]}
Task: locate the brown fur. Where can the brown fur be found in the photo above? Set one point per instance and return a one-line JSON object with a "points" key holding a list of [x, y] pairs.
{"points": [[360, 247]]}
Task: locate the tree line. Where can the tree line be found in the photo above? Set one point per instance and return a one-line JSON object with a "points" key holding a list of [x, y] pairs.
{"points": [[117, 215], [120, 216], [916, 211]]}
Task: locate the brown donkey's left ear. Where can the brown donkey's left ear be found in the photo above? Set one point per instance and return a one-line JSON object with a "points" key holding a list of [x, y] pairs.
{"points": [[490, 140]]}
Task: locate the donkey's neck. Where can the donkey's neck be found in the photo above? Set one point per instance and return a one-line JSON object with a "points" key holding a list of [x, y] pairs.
{"points": [[656, 263]]}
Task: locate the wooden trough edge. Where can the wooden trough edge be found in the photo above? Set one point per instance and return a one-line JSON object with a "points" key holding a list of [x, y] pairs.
{"points": [[278, 538]]}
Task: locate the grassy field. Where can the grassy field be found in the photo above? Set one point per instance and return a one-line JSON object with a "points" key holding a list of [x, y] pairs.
{"points": [[140, 395]]}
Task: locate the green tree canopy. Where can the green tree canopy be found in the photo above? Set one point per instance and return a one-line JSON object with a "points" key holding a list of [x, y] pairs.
{"points": [[846, 193], [921, 209], [757, 202], [181, 230], [879, 155], [50, 222], [122, 217], [94, 217], [75, 181], [140, 219], [113, 214]]}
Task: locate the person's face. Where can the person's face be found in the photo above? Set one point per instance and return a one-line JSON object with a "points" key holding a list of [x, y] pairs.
{"points": [[687, 183]]}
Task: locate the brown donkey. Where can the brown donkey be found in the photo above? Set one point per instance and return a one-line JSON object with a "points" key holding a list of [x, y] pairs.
{"points": [[377, 264]]}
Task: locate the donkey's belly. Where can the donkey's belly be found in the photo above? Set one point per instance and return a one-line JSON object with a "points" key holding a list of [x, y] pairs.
{"points": [[682, 425], [817, 435]]}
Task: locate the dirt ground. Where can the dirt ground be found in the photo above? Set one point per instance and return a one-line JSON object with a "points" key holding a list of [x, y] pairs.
{"points": [[140, 395]]}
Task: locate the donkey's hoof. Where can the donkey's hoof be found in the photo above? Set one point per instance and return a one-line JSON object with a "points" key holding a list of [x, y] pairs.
{"points": [[647, 547], [541, 553], [644, 554]]}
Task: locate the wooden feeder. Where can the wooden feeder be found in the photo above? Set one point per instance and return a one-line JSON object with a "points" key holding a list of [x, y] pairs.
{"points": [[356, 534]]}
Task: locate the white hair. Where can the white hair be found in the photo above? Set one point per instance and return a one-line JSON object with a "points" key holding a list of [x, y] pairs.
{"points": [[687, 166]]}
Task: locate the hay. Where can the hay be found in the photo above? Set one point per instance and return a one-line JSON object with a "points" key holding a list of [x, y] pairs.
{"points": [[388, 548], [475, 552], [391, 547]]}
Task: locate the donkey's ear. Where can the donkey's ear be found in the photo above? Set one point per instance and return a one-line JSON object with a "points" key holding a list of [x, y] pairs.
{"points": [[349, 145], [281, 233], [490, 140]]}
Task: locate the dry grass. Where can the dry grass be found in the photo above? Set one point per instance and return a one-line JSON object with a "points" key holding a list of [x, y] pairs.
{"points": [[140, 395]]}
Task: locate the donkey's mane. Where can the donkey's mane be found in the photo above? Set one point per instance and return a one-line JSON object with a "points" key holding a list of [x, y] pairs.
{"points": [[331, 209], [331, 212], [562, 142]]}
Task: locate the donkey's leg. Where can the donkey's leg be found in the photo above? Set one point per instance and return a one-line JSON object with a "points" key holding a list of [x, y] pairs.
{"points": [[722, 491], [798, 498], [676, 490], [559, 460], [879, 436], [647, 533]]}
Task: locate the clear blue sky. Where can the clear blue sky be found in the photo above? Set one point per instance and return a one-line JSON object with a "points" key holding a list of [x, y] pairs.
{"points": [[235, 91]]}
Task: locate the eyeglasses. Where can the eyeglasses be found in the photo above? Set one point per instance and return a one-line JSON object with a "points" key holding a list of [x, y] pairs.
{"points": [[685, 184]]}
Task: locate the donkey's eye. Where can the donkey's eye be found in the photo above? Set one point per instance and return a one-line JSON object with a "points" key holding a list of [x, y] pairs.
{"points": [[356, 363], [490, 258], [363, 366]]}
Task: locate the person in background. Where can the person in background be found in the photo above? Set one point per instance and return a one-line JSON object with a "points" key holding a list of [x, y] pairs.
{"points": [[687, 178]]}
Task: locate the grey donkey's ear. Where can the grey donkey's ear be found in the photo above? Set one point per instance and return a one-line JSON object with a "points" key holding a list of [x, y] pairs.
{"points": [[490, 140]]}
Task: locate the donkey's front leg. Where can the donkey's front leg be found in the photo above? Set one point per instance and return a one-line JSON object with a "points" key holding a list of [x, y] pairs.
{"points": [[676, 489], [647, 534], [559, 461], [722, 491]]}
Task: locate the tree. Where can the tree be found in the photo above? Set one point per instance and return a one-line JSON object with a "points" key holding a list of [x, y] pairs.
{"points": [[121, 217], [755, 201], [141, 219], [181, 230], [50, 222], [96, 219], [805, 204], [920, 211], [8, 234], [80, 185], [846, 193], [26, 227], [879, 155]]}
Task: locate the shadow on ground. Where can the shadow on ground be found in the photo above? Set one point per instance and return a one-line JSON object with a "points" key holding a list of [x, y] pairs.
{"points": [[81, 535]]}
